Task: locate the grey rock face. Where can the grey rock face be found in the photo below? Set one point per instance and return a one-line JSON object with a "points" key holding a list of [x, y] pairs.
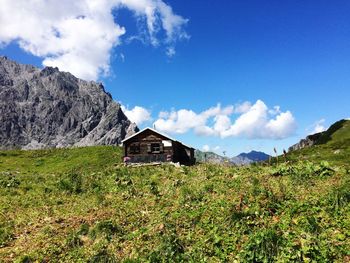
{"points": [[49, 108], [209, 157], [307, 142]]}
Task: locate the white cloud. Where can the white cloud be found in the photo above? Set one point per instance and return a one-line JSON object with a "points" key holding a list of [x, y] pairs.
{"points": [[204, 131], [222, 122], [283, 124], [78, 36], [318, 127], [170, 52], [180, 121], [250, 123], [253, 121], [137, 114], [217, 110], [206, 148], [243, 107]]}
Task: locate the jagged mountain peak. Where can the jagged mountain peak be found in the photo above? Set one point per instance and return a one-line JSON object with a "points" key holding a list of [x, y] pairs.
{"points": [[49, 108]]}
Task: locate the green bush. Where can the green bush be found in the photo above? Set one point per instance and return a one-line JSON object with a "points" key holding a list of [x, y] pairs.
{"points": [[84, 229], [8, 180], [153, 187], [71, 183], [190, 195], [171, 248], [73, 240], [107, 229], [263, 246], [25, 259], [339, 196], [6, 232], [123, 177], [103, 257], [302, 171]]}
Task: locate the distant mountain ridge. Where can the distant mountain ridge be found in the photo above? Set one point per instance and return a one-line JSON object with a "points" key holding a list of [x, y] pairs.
{"points": [[251, 157], [209, 157], [41, 108], [241, 159]]}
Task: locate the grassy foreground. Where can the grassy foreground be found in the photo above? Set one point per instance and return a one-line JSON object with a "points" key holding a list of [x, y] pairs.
{"points": [[82, 205]]}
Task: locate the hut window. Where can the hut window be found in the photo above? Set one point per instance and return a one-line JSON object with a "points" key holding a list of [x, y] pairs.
{"points": [[155, 148], [134, 148]]}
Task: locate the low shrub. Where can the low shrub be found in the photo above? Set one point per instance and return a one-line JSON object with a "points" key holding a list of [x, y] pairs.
{"points": [[8, 180], [303, 171], [123, 177], [339, 196], [263, 246], [103, 256], [171, 248], [71, 183], [6, 232], [107, 229], [73, 240]]}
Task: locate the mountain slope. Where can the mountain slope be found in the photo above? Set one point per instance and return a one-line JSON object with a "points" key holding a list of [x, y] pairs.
{"points": [[49, 108], [251, 157], [241, 159], [332, 145], [209, 157]]}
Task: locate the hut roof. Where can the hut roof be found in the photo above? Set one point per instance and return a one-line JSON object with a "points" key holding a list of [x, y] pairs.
{"points": [[153, 130]]}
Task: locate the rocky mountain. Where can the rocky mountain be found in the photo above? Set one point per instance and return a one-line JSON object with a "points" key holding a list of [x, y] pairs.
{"points": [[241, 159], [42, 108], [209, 157], [318, 138], [307, 142], [251, 157]]}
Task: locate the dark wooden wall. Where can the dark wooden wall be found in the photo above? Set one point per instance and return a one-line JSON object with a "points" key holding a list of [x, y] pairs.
{"points": [[177, 152], [145, 140]]}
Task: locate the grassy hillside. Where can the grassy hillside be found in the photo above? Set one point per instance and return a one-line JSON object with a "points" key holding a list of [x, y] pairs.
{"points": [[82, 205], [60, 160], [333, 146]]}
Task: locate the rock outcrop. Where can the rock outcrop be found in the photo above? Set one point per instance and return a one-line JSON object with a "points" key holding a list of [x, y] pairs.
{"points": [[319, 138], [307, 142], [209, 157], [48, 108]]}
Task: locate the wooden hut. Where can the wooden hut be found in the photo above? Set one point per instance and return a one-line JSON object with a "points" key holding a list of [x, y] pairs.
{"points": [[149, 146]]}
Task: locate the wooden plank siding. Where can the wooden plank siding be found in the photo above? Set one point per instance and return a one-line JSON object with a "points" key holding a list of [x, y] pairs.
{"points": [[150, 146]]}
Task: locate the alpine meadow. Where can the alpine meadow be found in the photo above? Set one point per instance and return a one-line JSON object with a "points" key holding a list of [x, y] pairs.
{"points": [[174, 131], [71, 205]]}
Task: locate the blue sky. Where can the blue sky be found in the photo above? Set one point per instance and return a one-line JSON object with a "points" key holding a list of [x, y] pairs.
{"points": [[247, 56]]}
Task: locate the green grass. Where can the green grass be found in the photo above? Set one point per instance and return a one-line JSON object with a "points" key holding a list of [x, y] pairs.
{"points": [[60, 160], [333, 146], [82, 205]]}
